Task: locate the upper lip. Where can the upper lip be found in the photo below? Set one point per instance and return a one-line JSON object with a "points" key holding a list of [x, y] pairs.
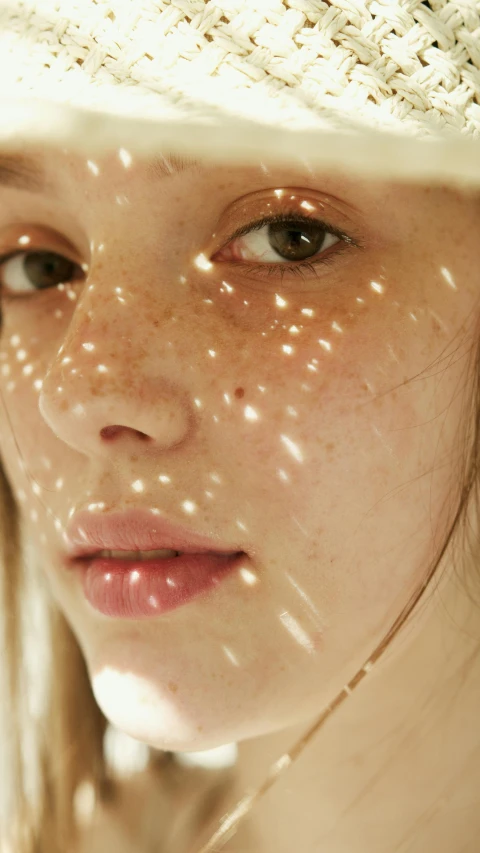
{"points": [[135, 530]]}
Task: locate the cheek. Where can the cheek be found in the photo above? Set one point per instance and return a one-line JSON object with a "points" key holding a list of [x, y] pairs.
{"points": [[300, 383], [29, 340], [336, 445]]}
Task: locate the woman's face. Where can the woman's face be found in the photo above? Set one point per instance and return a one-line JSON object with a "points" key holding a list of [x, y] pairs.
{"points": [[309, 417]]}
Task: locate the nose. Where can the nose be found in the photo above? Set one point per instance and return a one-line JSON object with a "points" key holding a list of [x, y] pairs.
{"points": [[116, 381]]}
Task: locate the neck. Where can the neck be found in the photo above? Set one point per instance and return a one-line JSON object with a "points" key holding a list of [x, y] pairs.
{"points": [[396, 766]]}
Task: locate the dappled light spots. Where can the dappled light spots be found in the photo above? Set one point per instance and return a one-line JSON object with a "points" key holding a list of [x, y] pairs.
{"points": [[286, 395]]}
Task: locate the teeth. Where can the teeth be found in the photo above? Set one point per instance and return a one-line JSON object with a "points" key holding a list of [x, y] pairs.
{"points": [[139, 555]]}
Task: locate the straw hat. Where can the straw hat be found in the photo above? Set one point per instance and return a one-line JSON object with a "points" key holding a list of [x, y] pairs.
{"points": [[384, 87]]}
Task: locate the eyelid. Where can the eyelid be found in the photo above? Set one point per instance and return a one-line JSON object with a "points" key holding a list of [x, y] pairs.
{"points": [[43, 237]]}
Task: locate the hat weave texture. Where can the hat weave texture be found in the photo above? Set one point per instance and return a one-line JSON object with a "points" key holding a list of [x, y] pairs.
{"points": [[404, 67]]}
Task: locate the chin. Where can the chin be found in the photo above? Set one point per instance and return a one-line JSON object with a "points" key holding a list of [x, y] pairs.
{"points": [[152, 715], [174, 695]]}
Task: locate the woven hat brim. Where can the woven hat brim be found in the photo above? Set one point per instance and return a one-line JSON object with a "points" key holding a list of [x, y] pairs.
{"points": [[336, 143]]}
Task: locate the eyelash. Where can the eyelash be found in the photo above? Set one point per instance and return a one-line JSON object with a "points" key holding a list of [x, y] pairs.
{"points": [[293, 217], [286, 217]]}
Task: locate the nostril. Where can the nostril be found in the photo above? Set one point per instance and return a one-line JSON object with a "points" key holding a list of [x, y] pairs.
{"points": [[111, 432]]}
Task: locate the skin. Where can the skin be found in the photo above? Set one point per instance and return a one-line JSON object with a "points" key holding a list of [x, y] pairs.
{"points": [[340, 522]]}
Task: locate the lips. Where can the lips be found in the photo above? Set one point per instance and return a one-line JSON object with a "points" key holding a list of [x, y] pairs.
{"points": [[137, 529], [122, 580]]}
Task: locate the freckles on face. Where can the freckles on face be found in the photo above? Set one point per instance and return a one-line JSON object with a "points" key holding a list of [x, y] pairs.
{"points": [[297, 371], [323, 423], [300, 355], [298, 421]]}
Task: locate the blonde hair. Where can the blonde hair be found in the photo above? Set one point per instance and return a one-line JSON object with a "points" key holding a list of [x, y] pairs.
{"points": [[68, 736]]}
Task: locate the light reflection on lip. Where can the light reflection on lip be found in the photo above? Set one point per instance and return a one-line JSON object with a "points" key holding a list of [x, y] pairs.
{"points": [[145, 589]]}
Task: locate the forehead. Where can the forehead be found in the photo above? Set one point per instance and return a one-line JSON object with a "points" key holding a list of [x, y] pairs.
{"points": [[42, 170], [52, 174], [31, 172]]}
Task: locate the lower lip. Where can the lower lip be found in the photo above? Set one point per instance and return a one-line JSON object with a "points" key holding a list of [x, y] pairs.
{"points": [[143, 589]]}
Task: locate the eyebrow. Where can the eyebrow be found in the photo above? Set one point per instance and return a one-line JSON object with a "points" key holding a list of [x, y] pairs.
{"points": [[26, 173]]}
